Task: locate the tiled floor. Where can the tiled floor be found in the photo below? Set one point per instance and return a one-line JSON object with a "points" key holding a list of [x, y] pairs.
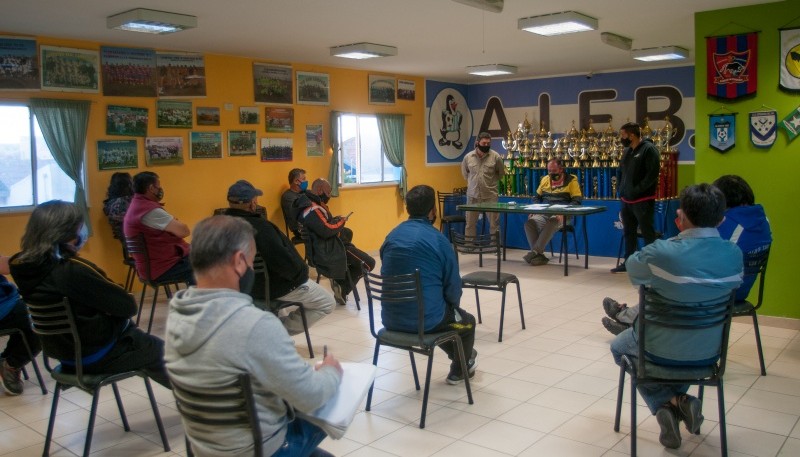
{"points": [[548, 390]]}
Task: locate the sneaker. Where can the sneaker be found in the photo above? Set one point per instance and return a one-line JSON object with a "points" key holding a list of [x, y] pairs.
{"points": [[12, 378], [455, 377], [540, 259], [690, 411], [529, 256], [667, 419], [613, 326], [612, 307], [337, 293], [619, 268]]}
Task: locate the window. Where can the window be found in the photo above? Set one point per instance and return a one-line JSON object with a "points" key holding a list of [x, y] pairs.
{"points": [[361, 160], [29, 175]]}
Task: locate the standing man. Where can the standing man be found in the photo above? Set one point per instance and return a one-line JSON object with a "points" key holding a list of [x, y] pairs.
{"points": [[163, 233], [482, 168], [416, 244], [638, 174], [297, 185], [556, 187]]}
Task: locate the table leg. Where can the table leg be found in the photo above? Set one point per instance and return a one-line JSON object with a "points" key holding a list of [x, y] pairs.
{"points": [[505, 232], [585, 245], [564, 245]]}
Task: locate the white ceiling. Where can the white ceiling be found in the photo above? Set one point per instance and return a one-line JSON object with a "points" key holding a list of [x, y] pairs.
{"points": [[436, 39]]}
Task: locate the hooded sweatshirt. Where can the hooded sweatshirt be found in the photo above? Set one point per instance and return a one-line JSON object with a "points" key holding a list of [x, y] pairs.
{"points": [[748, 227], [214, 335]]}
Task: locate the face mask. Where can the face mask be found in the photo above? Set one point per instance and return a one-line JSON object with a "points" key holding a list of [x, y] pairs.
{"points": [[325, 198], [160, 194], [247, 280], [83, 236], [484, 149], [625, 142], [303, 186], [554, 176]]}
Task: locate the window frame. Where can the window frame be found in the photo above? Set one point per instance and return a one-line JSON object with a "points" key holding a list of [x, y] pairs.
{"points": [[384, 160]]}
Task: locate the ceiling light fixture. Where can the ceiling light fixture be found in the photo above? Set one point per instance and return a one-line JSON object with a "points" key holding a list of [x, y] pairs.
{"points": [[617, 41], [557, 23], [363, 51], [660, 53], [493, 6], [151, 21], [494, 69]]}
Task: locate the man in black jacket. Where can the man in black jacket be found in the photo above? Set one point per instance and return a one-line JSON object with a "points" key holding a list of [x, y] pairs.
{"points": [[638, 174], [288, 273]]}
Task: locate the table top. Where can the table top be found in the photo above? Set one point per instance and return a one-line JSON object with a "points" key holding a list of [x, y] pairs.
{"points": [[532, 208]]}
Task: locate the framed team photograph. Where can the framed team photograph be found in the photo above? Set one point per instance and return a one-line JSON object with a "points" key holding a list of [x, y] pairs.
{"points": [[205, 145], [181, 75], [276, 149], [126, 120], [313, 88], [163, 150], [381, 90], [117, 154], [242, 143], [314, 140], [207, 115], [172, 114], [69, 69], [272, 83], [249, 115], [19, 64], [279, 120], [128, 72], [406, 90]]}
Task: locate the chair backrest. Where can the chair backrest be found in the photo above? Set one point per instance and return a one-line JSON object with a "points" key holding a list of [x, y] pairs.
{"points": [[230, 406], [395, 290], [484, 244], [57, 320], [448, 202], [667, 330], [260, 268], [309, 246], [137, 246], [756, 264]]}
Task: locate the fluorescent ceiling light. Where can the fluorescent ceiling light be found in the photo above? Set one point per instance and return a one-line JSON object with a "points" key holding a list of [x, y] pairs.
{"points": [[618, 41], [494, 6], [494, 69], [557, 23], [660, 53], [363, 51], [151, 21]]}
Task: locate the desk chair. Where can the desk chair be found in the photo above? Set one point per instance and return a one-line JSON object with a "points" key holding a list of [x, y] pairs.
{"points": [[12, 332], [487, 280], [755, 265], [309, 248], [57, 320], [400, 290], [449, 200], [701, 324]]}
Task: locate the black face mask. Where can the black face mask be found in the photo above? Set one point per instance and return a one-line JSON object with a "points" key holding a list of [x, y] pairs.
{"points": [[247, 280], [484, 149], [325, 198], [554, 176], [625, 142]]}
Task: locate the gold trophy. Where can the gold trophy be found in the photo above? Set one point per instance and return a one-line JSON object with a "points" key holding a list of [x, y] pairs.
{"points": [[613, 186]]}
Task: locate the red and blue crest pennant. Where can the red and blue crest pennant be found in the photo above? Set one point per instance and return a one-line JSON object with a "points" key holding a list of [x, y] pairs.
{"points": [[722, 131], [731, 65]]}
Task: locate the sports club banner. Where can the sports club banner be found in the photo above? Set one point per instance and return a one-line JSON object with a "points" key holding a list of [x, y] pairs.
{"points": [[763, 128], [790, 60], [791, 124], [731, 63], [722, 134]]}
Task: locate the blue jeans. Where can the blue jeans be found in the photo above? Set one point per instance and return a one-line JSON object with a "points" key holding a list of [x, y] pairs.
{"points": [[302, 439], [655, 395]]}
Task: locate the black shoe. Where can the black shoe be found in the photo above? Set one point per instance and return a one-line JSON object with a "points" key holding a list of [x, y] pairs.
{"points": [[613, 326], [690, 411], [667, 419], [612, 307], [456, 377], [12, 378], [539, 260], [619, 268]]}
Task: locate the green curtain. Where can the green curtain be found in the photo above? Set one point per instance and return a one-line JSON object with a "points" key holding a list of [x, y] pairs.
{"points": [[333, 172], [391, 128], [64, 124]]}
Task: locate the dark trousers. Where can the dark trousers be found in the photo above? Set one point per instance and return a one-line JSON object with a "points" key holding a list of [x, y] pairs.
{"points": [[135, 350], [15, 353], [637, 216], [180, 272], [465, 329], [356, 259]]}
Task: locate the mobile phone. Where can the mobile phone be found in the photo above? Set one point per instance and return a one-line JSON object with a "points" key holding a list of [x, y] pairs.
{"points": [[348, 216]]}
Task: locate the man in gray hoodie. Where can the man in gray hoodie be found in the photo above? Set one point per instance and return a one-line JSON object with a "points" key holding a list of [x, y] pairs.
{"points": [[215, 333]]}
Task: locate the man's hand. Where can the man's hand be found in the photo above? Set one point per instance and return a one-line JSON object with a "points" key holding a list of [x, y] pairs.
{"points": [[329, 360]]}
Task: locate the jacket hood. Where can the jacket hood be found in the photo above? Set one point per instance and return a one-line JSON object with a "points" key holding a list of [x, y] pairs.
{"points": [[28, 275], [306, 199], [751, 218], [196, 314]]}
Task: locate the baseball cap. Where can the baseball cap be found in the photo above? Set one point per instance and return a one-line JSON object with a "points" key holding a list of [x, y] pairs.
{"points": [[242, 191]]}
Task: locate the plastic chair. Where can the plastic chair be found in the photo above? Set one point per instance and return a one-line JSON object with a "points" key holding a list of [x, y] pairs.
{"points": [[15, 331], [680, 325], [755, 265], [57, 320], [309, 257], [487, 280], [401, 290], [449, 200]]}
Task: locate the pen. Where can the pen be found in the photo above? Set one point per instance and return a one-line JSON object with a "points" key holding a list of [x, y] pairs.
{"points": [[324, 351]]}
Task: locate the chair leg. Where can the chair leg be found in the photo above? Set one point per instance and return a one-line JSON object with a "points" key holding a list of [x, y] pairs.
{"points": [[92, 416], [428, 387], [620, 393], [521, 314], [758, 345], [33, 364], [141, 304], [189, 452], [372, 386], [633, 415], [723, 432], [305, 327], [157, 415], [462, 359], [121, 408], [52, 422], [414, 369], [153, 309], [502, 315], [478, 305], [575, 244], [355, 291]]}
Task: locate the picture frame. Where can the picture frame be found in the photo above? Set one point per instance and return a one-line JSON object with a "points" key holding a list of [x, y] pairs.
{"points": [[70, 69], [272, 83], [249, 115], [21, 64], [173, 114], [117, 154], [314, 140], [163, 150], [207, 115], [181, 74], [382, 90], [279, 120], [313, 88], [126, 120], [128, 72], [406, 90], [242, 143], [276, 149], [205, 145]]}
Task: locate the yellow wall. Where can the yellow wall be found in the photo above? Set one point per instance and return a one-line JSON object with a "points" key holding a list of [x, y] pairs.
{"points": [[194, 189]]}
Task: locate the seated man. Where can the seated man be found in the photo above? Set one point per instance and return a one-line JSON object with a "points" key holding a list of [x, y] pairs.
{"points": [[416, 244], [14, 315], [163, 233], [555, 188], [745, 224], [288, 273], [214, 333], [297, 186], [334, 250], [696, 266]]}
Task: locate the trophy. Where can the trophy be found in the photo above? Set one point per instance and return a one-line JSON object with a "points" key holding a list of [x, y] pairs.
{"points": [[510, 145], [613, 186], [594, 186]]}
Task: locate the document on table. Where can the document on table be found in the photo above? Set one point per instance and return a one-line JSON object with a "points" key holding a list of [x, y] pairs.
{"points": [[537, 206], [578, 208]]}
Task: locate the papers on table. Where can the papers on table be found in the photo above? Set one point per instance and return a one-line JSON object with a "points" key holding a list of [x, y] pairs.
{"points": [[543, 206], [537, 206]]}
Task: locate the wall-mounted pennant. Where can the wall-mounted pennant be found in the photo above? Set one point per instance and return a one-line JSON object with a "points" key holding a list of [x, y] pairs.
{"points": [[763, 128], [791, 124], [722, 134], [731, 63], [790, 60]]}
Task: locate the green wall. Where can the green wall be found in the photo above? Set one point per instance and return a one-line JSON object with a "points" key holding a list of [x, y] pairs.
{"points": [[773, 173]]}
